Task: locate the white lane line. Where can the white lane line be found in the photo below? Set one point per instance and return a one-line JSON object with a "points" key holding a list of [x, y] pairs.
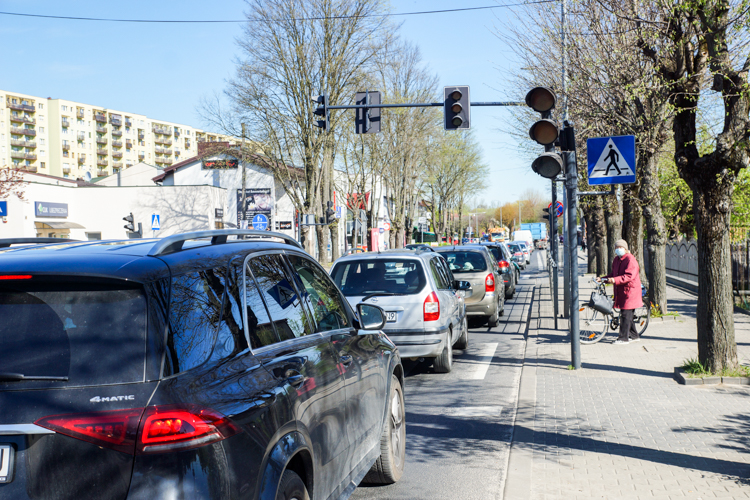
{"points": [[484, 356]]}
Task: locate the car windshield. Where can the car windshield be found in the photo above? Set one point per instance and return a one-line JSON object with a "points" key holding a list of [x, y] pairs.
{"points": [[89, 333], [362, 277], [514, 248], [465, 261], [496, 252]]}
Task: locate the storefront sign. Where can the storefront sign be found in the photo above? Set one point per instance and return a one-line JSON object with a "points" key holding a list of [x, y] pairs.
{"points": [[218, 213], [46, 209], [219, 164], [257, 201], [283, 224]]}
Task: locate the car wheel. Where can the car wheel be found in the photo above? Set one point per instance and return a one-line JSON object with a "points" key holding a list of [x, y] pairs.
{"points": [[389, 466], [292, 487], [502, 309], [463, 341], [493, 320], [444, 362]]}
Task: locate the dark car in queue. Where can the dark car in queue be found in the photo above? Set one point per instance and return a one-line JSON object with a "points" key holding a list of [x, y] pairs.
{"points": [[475, 264], [195, 366], [507, 267], [517, 254]]}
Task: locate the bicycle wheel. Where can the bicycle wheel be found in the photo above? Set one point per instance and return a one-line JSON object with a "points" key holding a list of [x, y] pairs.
{"points": [[640, 319], [592, 325]]}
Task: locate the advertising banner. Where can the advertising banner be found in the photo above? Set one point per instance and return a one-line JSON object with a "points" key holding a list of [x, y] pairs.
{"points": [[257, 201]]}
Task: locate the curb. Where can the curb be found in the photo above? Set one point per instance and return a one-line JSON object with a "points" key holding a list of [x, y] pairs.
{"points": [[679, 376]]}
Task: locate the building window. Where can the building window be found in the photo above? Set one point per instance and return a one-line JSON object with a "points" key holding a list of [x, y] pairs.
{"points": [[41, 130], [94, 236], [41, 118], [41, 106], [44, 165], [64, 107], [42, 153], [41, 142]]}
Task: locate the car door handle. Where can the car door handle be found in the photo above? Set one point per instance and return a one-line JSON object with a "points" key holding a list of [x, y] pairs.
{"points": [[294, 378], [346, 359]]}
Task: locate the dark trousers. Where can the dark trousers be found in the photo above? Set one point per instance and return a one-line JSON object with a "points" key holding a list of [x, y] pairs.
{"points": [[627, 327]]}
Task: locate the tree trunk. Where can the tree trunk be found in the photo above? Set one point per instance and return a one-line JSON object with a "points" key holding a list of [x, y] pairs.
{"points": [[613, 220], [656, 230], [632, 225], [590, 240], [600, 231], [717, 347]]}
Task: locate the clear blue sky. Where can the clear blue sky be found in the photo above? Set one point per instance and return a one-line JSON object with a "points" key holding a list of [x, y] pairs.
{"points": [[162, 70]]}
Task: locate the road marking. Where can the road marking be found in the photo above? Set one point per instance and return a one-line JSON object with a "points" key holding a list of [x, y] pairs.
{"points": [[474, 411], [484, 358]]}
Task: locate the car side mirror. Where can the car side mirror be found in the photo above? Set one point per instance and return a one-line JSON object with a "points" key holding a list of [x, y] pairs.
{"points": [[371, 317]]}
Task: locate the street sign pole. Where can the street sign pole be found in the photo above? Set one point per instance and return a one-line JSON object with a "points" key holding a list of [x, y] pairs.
{"points": [[553, 248], [566, 257], [571, 241]]}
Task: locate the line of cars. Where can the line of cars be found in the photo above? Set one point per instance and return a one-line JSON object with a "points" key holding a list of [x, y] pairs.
{"points": [[431, 294]]}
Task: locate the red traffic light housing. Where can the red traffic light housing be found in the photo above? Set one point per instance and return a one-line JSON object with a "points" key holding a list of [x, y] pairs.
{"points": [[541, 99], [548, 165]]}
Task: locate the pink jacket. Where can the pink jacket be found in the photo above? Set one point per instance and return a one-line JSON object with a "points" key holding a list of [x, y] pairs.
{"points": [[627, 279]]}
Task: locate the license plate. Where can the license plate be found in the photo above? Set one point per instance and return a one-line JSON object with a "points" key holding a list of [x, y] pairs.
{"points": [[390, 317], [6, 463]]}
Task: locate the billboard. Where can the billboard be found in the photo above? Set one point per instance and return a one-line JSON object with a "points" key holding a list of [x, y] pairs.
{"points": [[258, 201]]}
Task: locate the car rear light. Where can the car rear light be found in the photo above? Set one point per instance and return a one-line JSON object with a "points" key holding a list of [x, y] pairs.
{"points": [[431, 307], [503, 264], [110, 429], [518, 254], [155, 429], [16, 277], [489, 283], [181, 427]]}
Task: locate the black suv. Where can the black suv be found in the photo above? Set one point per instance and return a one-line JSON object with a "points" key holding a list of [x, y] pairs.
{"points": [[194, 366]]}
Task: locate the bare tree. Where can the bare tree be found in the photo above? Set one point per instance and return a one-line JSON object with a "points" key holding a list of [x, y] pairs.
{"points": [[12, 183]]}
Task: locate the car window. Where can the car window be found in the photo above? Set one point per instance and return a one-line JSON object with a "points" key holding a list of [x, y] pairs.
{"points": [[194, 314], [442, 267], [438, 275], [465, 261], [284, 305], [322, 296], [230, 336], [90, 333], [495, 251], [362, 277], [447, 270]]}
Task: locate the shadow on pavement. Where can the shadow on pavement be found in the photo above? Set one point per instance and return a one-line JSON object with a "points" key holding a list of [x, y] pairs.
{"points": [[563, 364]]}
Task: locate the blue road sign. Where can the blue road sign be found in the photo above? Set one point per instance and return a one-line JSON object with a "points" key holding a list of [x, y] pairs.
{"points": [[155, 222], [611, 160], [260, 222], [3, 208]]}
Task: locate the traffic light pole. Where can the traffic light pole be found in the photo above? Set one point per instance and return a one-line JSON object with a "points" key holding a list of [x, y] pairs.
{"points": [[571, 241], [554, 247]]}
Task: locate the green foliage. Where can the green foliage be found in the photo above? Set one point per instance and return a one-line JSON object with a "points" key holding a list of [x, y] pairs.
{"points": [[694, 367]]}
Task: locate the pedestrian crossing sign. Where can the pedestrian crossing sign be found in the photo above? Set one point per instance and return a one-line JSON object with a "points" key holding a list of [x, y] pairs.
{"points": [[155, 222], [611, 160]]}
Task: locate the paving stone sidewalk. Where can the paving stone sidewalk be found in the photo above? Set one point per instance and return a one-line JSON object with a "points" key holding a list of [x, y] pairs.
{"points": [[621, 427]]}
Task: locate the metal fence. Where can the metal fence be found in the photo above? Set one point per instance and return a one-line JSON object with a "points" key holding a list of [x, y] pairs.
{"points": [[682, 263], [741, 267]]}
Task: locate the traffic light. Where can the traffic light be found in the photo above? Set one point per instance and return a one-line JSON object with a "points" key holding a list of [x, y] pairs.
{"points": [[546, 215], [457, 107], [545, 132], [130, 226], [321, 110], [330, 212], [367, 120]]}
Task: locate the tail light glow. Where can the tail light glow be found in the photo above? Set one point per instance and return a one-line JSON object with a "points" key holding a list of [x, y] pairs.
{"points": [[431, 307], [15, 277], [155, 429], [503, 264], [489, 283]]}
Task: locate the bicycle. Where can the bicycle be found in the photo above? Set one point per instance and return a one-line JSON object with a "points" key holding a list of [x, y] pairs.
{"points": [[594, 324]]}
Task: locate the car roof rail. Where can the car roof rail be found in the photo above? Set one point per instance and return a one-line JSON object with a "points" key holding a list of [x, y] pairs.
{"points": [[171, 244], [6, 242]]}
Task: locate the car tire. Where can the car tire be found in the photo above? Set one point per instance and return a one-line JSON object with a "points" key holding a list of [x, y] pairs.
{"points": [[444, 362], [389, 466], [291, 487], [493, 320], [463, 341]]}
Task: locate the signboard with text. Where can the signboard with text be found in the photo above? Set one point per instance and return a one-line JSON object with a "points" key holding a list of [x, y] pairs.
{"points": [[219, 164], [257, 201], [47, 209]]}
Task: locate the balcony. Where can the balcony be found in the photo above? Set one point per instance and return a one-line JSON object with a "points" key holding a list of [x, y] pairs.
{"points": [[81, 159], [128, 144], [23, 144], [20, 155], [128, 123], [141, 156], [81, 136], [22, 119], [141, 135], [21, 107], [102, 152], [162, 131], [23, 131], [165, 161], [117, 164], [187, 144], [66, 147], [115, 121], [166, 142], [66, 170], [100, 118], [117, 133], [65, 122], [101, 163], [79, 114], [101, 173], [116, 154], [28, 168], [116, 143], [101, 130], [176, 134], [101, 140]]}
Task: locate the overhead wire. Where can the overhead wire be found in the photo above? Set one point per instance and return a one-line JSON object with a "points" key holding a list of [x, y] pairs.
{"points": [[321, 18]]}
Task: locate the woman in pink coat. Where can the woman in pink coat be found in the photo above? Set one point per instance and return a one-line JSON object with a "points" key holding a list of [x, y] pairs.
{"points": [[627, 280]]}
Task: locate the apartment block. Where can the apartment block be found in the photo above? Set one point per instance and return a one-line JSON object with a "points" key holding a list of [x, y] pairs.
{"points": [[70, 139]]}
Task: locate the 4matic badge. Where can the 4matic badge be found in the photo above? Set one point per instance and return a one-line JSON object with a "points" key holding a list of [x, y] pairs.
{"points": [[99, 399]]}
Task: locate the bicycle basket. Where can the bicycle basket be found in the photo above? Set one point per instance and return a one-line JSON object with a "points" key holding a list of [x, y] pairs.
{"points": [[600, 303], [644, 291]]}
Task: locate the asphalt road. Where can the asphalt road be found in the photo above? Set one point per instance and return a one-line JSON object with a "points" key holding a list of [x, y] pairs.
{"points": [[459, 425]]}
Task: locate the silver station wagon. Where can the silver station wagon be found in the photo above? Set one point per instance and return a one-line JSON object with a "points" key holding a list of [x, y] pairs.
{"points": [[424, 304]]}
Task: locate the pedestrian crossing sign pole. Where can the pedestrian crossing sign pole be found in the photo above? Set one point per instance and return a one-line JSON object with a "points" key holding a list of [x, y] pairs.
{"points": [[611, 160]]}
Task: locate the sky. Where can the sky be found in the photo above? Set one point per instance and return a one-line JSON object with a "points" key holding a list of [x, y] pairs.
{"points": [[163, 70]]}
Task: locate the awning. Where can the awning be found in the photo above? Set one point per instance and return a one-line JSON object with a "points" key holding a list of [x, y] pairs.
{"points": [[58, 225]]}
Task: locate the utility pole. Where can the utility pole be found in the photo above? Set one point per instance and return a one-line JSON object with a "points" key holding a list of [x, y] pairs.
{"points": [[244, 180], [571, 243]]}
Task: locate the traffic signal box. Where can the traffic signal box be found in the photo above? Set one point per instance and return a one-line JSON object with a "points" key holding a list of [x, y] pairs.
{"points": [[457, 107], [321, 110]]}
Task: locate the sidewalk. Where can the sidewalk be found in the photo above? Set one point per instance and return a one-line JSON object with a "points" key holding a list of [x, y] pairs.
{"points": [[621, 427]]}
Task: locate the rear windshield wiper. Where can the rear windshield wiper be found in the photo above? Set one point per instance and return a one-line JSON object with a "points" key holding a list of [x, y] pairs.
{"points": [[379, 294], [17, 377]]}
